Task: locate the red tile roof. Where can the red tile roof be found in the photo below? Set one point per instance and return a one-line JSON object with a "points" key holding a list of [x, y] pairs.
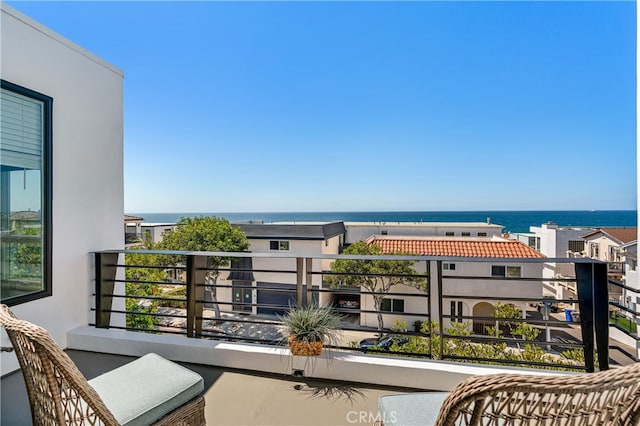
{"points": [[456, 248]]}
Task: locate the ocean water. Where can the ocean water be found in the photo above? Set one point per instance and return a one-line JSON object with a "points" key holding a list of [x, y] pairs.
{"points": [[513, 221]]}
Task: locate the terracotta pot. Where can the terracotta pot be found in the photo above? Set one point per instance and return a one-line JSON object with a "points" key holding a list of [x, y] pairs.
{"points": [[298, 347]]}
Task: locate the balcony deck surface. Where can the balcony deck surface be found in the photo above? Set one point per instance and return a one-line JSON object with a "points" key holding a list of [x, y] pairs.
{"points": [[235, 397]]}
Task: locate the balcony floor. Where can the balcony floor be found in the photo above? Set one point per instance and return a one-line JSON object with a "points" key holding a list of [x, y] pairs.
{"points": [[235, 397]]}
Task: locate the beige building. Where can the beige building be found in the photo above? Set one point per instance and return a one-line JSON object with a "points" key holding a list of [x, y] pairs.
{"points": [[469, 287]]}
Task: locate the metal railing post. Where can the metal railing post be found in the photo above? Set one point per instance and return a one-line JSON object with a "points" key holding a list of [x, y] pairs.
{"points": [[106, 265], [300, 295], [440, 317], [195, 293], [593, 300], [309, 281]]}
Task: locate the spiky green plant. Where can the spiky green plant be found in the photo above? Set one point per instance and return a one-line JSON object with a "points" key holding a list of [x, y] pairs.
{"points": [[312, 324]]}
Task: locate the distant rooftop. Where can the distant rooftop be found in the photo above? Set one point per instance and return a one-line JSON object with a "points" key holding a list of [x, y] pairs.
{"points": [[622, 235], [455, 247], [428, 224], [293, 230], [552, 225]]}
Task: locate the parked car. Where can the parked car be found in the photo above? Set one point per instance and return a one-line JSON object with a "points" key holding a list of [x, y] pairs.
{"points": [[349, 304], [383, 343]]}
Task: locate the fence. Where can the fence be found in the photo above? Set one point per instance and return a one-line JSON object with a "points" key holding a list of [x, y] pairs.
{"points": [[455, 309]]}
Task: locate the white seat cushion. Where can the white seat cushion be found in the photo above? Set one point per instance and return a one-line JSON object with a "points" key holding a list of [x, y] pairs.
{"points": [[144, 390], [412, 409]]}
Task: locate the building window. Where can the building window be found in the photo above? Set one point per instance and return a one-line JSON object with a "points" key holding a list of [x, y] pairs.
{"points": [[448, 234], [25, 194], [449, 266], [506, 271], [576, 246], [614, 254], [466, 234], [498, 271], [384, 232], [392, 305], [482, 234], [514, 271], [594, 250], [456, 314], [279, 245]]}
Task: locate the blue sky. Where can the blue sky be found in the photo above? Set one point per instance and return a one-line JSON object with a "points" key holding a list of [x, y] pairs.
{"points": [[360, 106]]}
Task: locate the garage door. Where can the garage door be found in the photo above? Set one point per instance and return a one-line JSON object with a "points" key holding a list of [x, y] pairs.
{"points": [[275, 298]]}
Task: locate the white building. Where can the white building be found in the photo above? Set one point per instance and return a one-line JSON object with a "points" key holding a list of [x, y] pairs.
{"points": [[606, 243], [132, 230], [499, 272], [319, 238], [631, 279], [555, 241], [155, 231], [72, 100], [290, 241], [358, 231]]}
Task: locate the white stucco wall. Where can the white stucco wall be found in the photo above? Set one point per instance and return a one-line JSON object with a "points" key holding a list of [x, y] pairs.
{"points": [[297, 248], [87, 163], [554, 242], [415, 302]]}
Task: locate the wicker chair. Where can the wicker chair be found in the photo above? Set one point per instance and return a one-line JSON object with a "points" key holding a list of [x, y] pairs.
{"points": [[610, 397], [60, 395]]}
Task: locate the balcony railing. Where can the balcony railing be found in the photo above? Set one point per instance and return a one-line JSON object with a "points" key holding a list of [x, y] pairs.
{"points": [[452, 317], [622, 313]]}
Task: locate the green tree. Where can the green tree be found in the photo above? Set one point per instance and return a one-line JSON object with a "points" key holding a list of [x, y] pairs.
{"points": [[28, 255], [208, 233], [141, 281], [375, 276]]}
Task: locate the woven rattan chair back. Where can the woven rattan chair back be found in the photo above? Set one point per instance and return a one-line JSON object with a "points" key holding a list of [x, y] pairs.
{"points": [[58, 392], [609, 397]]}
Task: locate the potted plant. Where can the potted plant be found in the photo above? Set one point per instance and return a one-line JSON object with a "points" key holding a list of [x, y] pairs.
{"points": [[309, 327]]}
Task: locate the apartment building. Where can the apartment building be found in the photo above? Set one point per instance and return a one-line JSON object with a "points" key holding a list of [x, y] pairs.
{"points": [[290, 241], [501, 271]]}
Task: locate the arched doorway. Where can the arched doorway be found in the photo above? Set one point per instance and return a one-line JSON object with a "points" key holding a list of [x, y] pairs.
{"points": [[482, 309]]}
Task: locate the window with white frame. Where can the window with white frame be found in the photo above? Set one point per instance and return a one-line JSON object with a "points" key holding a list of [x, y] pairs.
{"points": [[278, 245], [448, 266], [392, 305]]}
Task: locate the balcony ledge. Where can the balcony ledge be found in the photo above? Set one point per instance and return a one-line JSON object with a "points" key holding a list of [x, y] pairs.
{"points": [[331, 365]]}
